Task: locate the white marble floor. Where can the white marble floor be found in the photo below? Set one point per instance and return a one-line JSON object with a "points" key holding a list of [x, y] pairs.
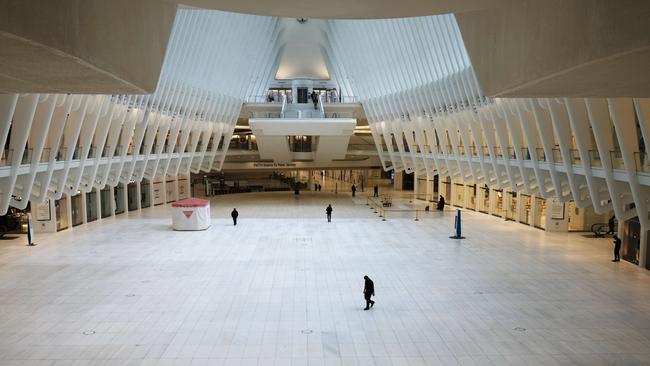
{"points": [[284, 287]]}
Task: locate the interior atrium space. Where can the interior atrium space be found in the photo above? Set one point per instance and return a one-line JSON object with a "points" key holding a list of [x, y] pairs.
{"points": [[212, 182]]}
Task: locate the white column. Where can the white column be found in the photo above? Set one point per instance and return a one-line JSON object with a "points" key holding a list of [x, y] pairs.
{"points": [[138, 196], [84, 209]]}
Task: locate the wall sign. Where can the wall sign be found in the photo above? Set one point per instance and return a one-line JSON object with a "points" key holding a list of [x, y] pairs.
{"points": [[43, 212], [557, 210]]}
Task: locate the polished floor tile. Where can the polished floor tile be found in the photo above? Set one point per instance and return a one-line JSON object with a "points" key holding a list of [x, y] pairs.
{"points": [[284, 287]]}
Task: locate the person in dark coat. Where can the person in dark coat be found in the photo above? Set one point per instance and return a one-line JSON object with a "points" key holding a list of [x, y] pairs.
{"points": [[320, 187], [314, 99], [441, 204], [368, 291], [328, 211], [617, 249], [611, 225], [354, 190], [376, 194], [234, 215]]}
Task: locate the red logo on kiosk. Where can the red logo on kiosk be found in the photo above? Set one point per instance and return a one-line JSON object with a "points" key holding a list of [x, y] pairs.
{"points": [[188, 213]]}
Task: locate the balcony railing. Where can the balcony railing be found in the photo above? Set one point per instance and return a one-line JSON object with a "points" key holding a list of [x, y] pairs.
{"points": [[557, 156], [616, 158], [641, 162], [594, 159]]}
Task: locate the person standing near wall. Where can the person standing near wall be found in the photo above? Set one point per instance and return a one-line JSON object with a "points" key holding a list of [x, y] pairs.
{"points": [[354, 190], [376, 190], [617, 249]]}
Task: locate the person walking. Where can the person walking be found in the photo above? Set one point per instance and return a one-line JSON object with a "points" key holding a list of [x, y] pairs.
{"points": [[319, 187], [234, 214], [368, 291], [314, 98], [354, 190], [617, 249], [611, 225], [328, 211], [376, 194]]}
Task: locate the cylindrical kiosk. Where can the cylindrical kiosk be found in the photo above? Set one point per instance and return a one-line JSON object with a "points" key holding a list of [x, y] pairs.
{"points": [[191, 214]]}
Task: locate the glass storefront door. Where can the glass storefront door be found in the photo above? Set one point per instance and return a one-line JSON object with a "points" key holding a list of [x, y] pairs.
{"points": [[118, 192], [498, 202], [76, 213], [145, 193], [91, 205], [540, 213], [484, 201], [471, 196], [459, 195], [132, 196], [511, 205], [61, 209], [525, 210]]}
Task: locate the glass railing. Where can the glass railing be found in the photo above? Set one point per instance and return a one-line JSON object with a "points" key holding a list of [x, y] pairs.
{"points": [[575, 157], [303, 114], [486, 150], [616, 158], [557, 156], [45, 155], [263, 99], [340, 115], [594, 159], [540, 154], [27, 156], [107, 151], [641, 162], [265, 115]]}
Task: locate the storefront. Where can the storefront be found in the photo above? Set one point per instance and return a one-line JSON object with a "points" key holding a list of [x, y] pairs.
{"points": [[459, 190], [484, 199], [525, 209], [470, 191], [145, 193], [445, 190], [105, 196], [76, 209], [511, 205], [118, 195], [540, 213], [132, 196], [91, 205], [183, 191], [61, 210], [170, 190], [498, 202]]}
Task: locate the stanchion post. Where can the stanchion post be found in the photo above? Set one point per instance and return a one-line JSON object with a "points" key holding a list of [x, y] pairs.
{"points": [[384, 218], [30, 231], [416, 216]]}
